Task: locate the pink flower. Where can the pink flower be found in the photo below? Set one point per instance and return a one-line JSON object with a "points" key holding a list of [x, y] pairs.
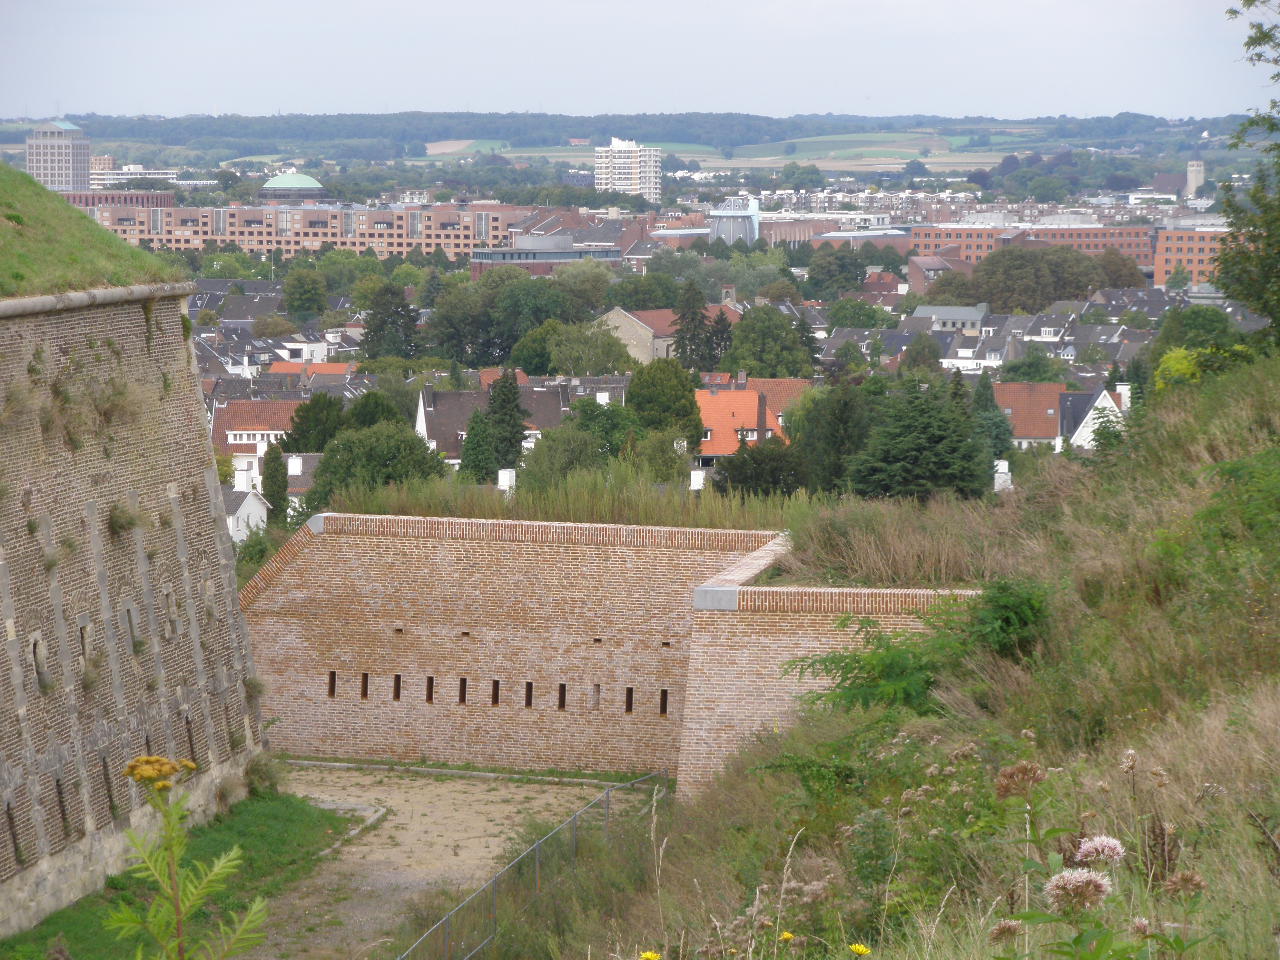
{"points": [[1100, 848], [1077, 889]]}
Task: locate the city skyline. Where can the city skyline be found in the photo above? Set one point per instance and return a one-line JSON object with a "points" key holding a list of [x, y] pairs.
{"points": [[996, 58]]}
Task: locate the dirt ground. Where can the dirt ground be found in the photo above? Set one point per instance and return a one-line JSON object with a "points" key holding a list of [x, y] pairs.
{"points": [[437, 831]]}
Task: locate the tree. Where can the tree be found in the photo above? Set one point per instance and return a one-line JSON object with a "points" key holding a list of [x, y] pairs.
{"points": [[586, 282], [780, 290], [583, 349], [390, 325], [663, 396], [951, 289], [989, 420], [719, 339], [857, 313], [769, 467], [532, 352], [1248, 264], [833, 271], [387, 452], [407, 275], [373, 407], [652, 291], [559, 452], [1035, 366], [314, 424], [431, 288], [1179, 278], [272, 325], [827, 426], [923, 354], [692, 342], [479, 462], [1118, 270], [614, 426], [275, 485], [923, 445], [304, 293], [767, 344], [507, 418]]}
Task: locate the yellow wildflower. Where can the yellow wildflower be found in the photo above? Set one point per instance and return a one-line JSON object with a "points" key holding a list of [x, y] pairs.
{"points": [[650, 955], [859, 949], [189, 764], [786, 936], [163, 785]]}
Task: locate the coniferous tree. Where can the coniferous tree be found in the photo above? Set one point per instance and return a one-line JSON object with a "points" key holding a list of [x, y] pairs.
{"points": [[989, 420], [314, 424], [507, 419], [479, 460], [390, 325], [769, 467], [692, 344], [923, 445], [721, 338], [275, 485]]}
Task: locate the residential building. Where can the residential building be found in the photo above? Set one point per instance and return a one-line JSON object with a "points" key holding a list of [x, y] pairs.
{"points": [[539, 256], [246, 512], [58, 156], [458, 229], [628, 167], [1194, 248], [972, 242], [650, 334], [731, 418]]}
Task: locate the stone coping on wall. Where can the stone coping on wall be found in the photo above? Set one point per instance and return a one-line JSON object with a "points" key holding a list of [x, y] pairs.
{"points": [[506, 531], [726, 591], [102, 296]]}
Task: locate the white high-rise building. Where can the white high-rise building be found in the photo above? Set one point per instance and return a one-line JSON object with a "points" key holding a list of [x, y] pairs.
{"points": [[1195, 177], [58, 156], [628, 167]]}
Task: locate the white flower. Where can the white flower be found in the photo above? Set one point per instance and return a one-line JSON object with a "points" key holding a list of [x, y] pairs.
{"points": [[1100, 848]]}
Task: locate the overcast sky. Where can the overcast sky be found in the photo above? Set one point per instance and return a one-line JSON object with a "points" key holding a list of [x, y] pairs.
{"points": [[1004, 58]]}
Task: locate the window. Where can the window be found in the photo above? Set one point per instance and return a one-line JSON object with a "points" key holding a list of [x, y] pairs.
{"points": [[595, 696], [706, 434], [494, 696], [395, 687], [561, 697], [364, 686], [630, 700], [662, 703], [431, 689], [333, 684], [528, 693], [462, 690]]}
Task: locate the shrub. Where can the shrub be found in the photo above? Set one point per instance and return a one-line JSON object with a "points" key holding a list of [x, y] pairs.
{"points": [[264, 774], [122, 518]]}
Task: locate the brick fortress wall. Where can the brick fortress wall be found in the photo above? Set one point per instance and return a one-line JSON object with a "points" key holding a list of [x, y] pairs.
{"points": [[364, 628], [116, 638]]}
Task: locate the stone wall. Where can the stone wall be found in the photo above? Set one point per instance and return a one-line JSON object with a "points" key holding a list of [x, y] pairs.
{"points": [[120, 630], [365, 627]]}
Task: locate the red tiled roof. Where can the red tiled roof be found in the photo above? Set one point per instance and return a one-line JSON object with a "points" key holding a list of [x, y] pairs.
{"points": [[1034, 408], [725, 412], [779, 392], [489, 374], [265, 416], [305, 366], [662, 322]]}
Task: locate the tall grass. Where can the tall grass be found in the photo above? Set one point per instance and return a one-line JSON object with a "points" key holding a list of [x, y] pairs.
{"points": [[618, 495], [1165, 613], [48, 246]]}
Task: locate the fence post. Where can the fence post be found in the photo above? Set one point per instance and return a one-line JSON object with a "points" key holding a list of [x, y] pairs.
{"points": [[537, 867], [608, 794], [448, 942], [574, 831], [493, 906]]}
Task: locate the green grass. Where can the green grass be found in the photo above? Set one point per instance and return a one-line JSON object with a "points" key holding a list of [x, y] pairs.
{"points": [[279, 834], [48, 246]]}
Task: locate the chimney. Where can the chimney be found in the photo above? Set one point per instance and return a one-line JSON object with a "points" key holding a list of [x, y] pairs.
{"points": [[742, 378]]}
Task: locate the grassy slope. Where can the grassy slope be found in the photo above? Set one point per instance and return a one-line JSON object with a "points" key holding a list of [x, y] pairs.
{"points": [[280, 836], [48, 246], [1162, 639]]}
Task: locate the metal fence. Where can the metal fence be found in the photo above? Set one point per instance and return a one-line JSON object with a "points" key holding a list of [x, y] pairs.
{"points": [[473, 925]]}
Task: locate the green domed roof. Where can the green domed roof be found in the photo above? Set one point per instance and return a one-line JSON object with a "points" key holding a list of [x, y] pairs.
{"points": [[293, 181]]}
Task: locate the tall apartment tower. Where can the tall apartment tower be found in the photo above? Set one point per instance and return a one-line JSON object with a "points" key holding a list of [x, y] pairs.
{"points": [[627, 167], [1195, 177], [58, 156]]}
